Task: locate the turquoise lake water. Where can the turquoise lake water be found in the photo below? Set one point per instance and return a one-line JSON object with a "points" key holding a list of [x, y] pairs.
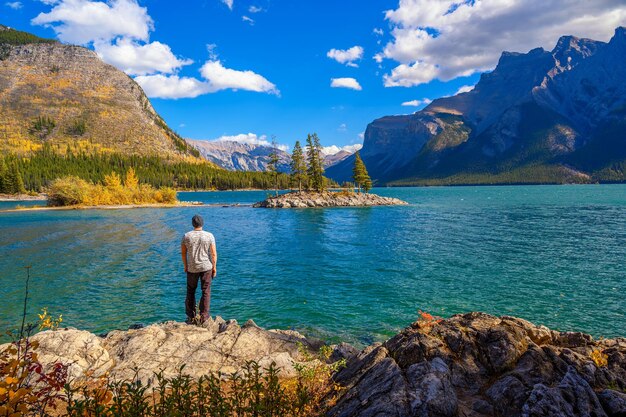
{"points": [[555, 255]]}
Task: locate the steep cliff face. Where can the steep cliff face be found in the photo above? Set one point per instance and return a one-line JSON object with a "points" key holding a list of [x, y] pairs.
{"points": [[556, 116], [65, 95]]}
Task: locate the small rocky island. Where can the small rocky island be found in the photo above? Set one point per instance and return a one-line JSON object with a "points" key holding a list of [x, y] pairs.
{"points": [[328, 199]]}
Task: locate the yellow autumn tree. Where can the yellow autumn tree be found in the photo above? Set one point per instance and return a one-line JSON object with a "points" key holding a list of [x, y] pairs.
{"points": [[131, 180], [112, 180]]}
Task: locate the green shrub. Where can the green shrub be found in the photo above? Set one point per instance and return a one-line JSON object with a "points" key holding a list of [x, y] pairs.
{"points": [[77, 128], [42, 127], [68, 191], [254, 391]]}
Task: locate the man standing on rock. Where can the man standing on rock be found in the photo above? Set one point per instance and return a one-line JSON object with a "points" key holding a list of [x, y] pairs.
{"points": [[200, 260]]}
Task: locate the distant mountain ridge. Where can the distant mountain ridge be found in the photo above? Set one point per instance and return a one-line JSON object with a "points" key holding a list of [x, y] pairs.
{"points": [[544, 116], [240, 156], [237, 156]]}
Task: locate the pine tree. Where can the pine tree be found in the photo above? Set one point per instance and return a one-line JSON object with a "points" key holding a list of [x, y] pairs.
{"points": [[367, 185], [316, 169], [298, 165], [272, 165], [19, 181], [320, 162], [360, 175], [4, 172], [310, 156], [13, 182]]}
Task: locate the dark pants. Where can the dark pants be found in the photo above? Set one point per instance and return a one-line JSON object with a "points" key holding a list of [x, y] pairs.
{"points": [[205, 300]]}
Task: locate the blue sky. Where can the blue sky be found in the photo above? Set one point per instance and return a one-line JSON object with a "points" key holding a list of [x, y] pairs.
{"points": [[265, 67]]}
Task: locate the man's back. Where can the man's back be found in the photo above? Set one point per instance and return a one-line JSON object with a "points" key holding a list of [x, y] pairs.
{"points": [[198, 243]]}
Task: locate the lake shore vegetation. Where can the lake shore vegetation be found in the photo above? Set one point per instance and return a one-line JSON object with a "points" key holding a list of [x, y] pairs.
{"points": [[35, 171], [74, 191]]}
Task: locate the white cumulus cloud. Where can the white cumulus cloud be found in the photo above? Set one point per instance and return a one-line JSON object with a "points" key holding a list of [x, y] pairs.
{"points": [[228, 3], [172, 86], [83, 21], [417, 103], [15, 5], [464, 89], [137, 59], [248, 20], [334, 149], [409, 75], [345, 83], [346, 56], [215, 78], [445, 39], [255, 9], [250, 139], [221, 78]]}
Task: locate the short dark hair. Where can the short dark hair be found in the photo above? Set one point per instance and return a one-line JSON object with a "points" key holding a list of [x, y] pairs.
{"points": [[197, 221]]}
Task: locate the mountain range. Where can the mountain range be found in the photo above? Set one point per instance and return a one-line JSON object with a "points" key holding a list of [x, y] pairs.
{"points": [[243, 156], [539, 117]]}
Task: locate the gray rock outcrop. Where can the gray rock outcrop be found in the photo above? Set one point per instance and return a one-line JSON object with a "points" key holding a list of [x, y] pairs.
{"points": [[217, 346], [479, 365], [327, 199]]}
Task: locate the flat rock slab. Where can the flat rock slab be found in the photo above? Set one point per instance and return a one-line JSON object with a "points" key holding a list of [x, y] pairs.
{"points": [[328, 199], [216, 346]]}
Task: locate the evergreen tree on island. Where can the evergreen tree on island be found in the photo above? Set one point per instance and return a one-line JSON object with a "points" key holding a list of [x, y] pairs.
{"points": [[272, 165], [316, 169], [298, 165], [360, 175]]}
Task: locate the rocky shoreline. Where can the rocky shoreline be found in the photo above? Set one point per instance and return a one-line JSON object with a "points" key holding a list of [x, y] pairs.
{"points": [[218, 345], [327, 199], [469, 365], [479, 365]]}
